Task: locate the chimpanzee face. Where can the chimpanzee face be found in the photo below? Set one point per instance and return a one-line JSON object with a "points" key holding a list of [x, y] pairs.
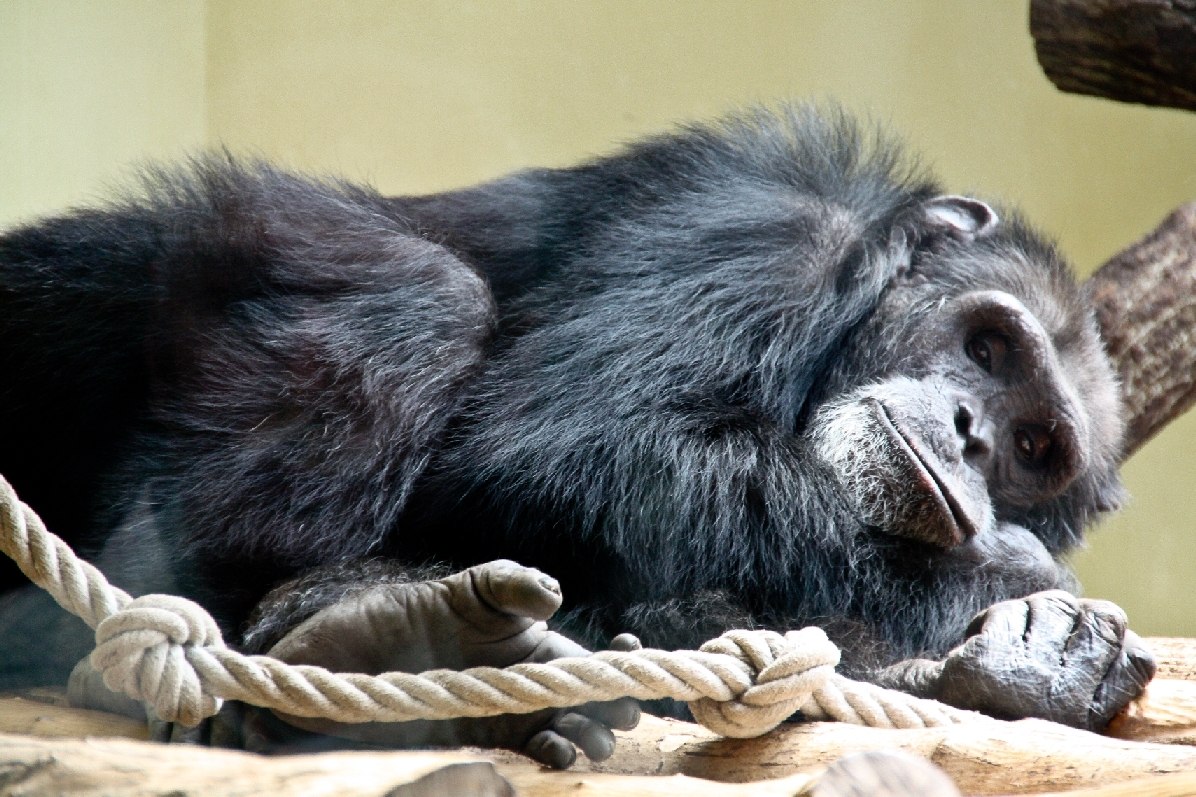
{"points": [[981, 402]]}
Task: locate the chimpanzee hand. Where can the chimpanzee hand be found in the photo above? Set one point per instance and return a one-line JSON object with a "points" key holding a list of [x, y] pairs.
{"points": [[488, 615], [1051, 656]]}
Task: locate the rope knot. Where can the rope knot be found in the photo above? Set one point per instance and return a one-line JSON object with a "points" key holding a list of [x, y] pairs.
{"points": [[786, 671], [142, 652]]}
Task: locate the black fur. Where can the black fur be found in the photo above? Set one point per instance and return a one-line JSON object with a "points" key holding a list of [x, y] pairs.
{"points": [[604, 372]]}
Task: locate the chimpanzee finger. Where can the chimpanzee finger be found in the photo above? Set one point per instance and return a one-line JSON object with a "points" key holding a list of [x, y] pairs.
{"points": [[1005, 620], [626, 643], [551, 749], [1088, 655], [594, 738], [505, 587], [1053, 617], [621, 715], [1126, 680], [1097, 640]]}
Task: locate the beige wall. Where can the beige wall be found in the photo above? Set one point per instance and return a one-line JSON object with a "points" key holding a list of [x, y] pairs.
{"points": [[418, 96], [87, 88]]}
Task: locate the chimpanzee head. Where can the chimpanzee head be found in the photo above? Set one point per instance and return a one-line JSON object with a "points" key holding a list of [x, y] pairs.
{"points": [[977, 392]]}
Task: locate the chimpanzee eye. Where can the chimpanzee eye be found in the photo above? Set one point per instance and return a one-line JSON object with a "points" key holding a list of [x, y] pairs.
{"points": [[986, 350], [1032, 444]]}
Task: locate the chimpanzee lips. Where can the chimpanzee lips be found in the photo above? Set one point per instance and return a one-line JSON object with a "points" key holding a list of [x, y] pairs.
{"points": [[951, 524]]}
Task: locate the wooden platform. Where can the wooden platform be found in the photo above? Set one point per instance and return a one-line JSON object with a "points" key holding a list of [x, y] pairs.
{"points": [[47, 748]]}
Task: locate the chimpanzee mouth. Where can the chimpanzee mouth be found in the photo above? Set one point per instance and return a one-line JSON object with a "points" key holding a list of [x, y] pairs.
{"points": [[958, 526]]}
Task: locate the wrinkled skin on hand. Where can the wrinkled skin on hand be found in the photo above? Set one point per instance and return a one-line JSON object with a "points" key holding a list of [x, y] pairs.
{"points": [[489, 615], [1050, 655]]}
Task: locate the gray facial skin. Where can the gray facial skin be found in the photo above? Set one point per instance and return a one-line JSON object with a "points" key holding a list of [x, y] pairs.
{"points": [[987, 414]]}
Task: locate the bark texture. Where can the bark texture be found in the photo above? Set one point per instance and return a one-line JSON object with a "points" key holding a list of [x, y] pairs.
{"points": [[1140, 51], [1176, 657], [37, 767], [665, 758], [1145, 300]]}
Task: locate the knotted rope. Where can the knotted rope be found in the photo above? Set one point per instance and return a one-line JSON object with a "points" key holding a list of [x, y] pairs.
{"points": [[167, 651]]}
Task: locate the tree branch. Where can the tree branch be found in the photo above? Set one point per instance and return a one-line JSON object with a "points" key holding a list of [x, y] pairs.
{"points": [[1140, 51], [1145, 300]]}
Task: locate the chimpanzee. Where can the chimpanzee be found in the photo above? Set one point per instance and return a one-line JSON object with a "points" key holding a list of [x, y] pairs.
{"points": [[760, 372]]}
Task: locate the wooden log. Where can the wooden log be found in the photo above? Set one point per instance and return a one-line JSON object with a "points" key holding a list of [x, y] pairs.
{"points": [[1178, 785], [992, 758], [989, 758], [1141, 51], [31, 767], [34, 766], [36, 718], [662, 757], [1024, 757], [1176, 657], [883, 774], [1166, 713], [1145, 299]]}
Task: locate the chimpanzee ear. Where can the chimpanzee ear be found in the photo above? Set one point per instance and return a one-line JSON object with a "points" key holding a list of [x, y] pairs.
{"points": [[968, 216]]}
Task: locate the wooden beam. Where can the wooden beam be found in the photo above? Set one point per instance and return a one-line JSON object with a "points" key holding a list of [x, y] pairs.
{"points": [[988, 758], [1030, 756], [1141, 51], [995, 757], [1178, 785], [1145, 300], [121, 768]]}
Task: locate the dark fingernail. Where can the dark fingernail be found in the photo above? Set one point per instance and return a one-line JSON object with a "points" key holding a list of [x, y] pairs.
{"points": [[551, 750], [626, 642], [625, 717], [599, 748], [619, 715], [595, 740]]}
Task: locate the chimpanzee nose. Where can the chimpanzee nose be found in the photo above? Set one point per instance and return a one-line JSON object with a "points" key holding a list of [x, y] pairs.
{"points": [[975, 433]]}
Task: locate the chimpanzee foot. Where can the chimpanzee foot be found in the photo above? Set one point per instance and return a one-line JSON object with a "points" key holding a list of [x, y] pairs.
{"points": [[1051, 656], [489, 615]]}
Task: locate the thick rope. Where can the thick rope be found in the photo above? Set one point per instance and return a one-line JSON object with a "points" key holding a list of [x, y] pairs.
{"points": [[167, 651]]}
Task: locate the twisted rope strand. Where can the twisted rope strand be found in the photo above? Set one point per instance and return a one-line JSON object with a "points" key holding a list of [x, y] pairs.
{"points": [[168, 651]]}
